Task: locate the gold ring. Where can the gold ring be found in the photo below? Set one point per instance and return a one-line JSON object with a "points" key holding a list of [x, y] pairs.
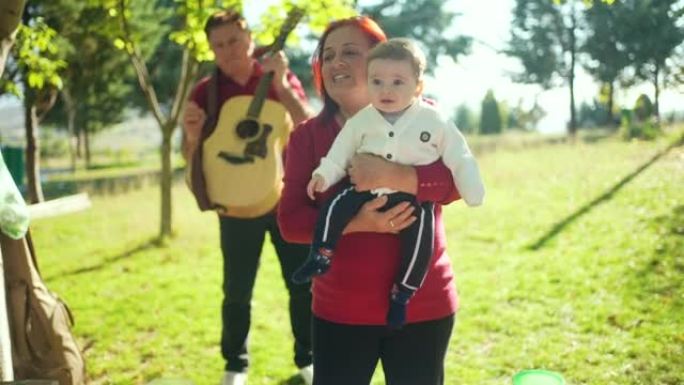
{"points": [[391, 223]]}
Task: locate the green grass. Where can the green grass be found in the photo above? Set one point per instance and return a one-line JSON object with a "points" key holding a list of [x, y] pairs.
{"points": [[568, 266]]}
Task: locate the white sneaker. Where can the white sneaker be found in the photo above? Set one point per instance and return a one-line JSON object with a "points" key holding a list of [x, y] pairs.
{"points": [[307, 374], [234, 378]]}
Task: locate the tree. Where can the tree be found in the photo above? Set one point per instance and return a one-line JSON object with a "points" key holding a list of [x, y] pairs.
{"points": [[654, 30], [426, 21], [34, 76], [606, 29], [423, 20], [97, 79], [521, 118], [591, 115], [544, 39], [122, 31], [465, 119], [643, 107], [490, 118]]}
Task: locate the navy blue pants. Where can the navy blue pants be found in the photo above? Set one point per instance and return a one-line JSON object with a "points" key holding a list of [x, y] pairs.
{"points": [[417, 240], [348, 354], [241, 244]]}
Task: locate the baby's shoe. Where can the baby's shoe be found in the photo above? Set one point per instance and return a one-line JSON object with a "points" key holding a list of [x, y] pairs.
{"points": [[317, 264]]}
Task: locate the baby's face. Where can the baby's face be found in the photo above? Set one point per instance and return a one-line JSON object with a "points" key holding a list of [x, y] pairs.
{"points": [[392, 84]]}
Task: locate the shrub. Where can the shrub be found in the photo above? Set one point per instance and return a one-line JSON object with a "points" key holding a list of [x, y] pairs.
{"points": [[632, 127], [643, 108], [490, 120]]}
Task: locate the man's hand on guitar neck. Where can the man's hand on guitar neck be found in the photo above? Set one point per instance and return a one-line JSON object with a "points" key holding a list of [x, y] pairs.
{"points": [[278, 63], [193, 120]]}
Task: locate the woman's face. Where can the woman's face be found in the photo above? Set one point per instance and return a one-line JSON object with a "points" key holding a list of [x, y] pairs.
{"points": [[343, 66]]}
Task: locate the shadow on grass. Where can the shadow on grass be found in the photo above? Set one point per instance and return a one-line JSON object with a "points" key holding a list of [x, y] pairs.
{"points": [[115, 164], [293, 380], [151, 243], [662, 276], [595, 136], [655, 291], [561, 225]]}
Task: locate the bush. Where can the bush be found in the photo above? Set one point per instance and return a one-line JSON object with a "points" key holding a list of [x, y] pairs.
{"points": [[53, 144], [634, 128], [643, 108], [490, 120]]}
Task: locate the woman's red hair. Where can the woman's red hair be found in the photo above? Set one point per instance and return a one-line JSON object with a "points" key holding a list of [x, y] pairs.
{"points": [[368, 27]]}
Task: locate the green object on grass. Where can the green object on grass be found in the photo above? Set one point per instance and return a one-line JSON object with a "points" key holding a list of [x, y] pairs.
{"points": [[14, 215], [14, 160], [537, 377]]}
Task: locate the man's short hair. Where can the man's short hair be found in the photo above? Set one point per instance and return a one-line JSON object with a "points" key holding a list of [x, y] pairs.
{"points": [[400, 49], [224, 17]]}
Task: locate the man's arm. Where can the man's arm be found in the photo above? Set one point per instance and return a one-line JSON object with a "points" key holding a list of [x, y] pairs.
{"points": [[299, 110]]}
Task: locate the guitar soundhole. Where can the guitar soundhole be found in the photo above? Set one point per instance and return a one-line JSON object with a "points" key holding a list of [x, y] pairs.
{"points": [[247, 129]]}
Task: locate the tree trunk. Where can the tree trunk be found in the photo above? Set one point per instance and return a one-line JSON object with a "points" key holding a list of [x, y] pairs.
{"points": [[656, 86], [609, 113], [165, 229], [10, 16], [79, 142], [572, 128], [86, 145], [5, 46], [71, 129], [34, 189]]}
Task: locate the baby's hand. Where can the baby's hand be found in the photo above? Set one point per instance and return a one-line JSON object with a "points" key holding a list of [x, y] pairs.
{"points": [[315, 185]]}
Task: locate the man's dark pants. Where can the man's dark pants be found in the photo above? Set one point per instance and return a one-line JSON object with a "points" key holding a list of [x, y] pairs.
{"points": [[241, 243]]}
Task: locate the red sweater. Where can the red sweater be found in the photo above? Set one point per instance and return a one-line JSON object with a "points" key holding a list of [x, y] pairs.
{"points": [[356, 288], [227, 88]]}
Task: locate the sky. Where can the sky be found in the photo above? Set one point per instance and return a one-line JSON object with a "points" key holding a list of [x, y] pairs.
{"points": [[467, 81]]}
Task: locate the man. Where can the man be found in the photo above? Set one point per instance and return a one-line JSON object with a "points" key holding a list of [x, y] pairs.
{"points": [[242, 238]]}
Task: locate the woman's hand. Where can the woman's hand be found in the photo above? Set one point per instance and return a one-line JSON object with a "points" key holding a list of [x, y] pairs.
{"points": [[368, 172], [370, 219]]}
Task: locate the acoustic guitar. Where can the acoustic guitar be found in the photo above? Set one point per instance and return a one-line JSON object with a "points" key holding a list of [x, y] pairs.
{"points": [[242, 158]]}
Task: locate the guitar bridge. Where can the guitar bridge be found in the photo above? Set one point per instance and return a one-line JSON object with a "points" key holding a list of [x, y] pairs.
{"points": [[259, 147], [235, 159]]}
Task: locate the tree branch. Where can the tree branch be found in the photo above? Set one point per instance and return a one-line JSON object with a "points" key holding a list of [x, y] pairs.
{"points": [[45, 100], [140, 67], [188, 72]]}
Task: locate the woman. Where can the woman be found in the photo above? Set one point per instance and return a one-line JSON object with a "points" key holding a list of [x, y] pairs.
{"points": [[350, 303]]}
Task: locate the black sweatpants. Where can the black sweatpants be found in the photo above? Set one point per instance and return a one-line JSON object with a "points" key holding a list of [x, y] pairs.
{"points": [[241, 243], [348, 354], [417, 240]]}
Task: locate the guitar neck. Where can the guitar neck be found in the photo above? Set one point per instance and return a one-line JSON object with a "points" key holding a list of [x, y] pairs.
{"points": [[260, 96], [265, 82]]}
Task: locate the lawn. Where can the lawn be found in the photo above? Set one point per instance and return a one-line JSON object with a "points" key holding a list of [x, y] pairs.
{"points": [[575, 264]]}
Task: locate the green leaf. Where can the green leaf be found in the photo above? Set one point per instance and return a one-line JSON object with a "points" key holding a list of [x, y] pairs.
{"points": [[119, 43], [36, 80]]}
